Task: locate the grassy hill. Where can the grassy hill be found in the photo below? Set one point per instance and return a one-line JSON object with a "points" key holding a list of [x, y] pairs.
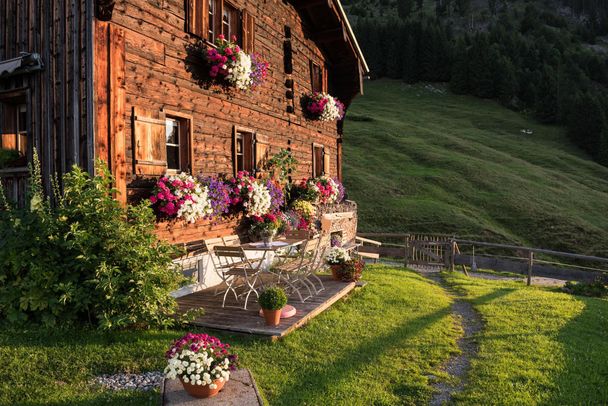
{"points": [[417, 158]]}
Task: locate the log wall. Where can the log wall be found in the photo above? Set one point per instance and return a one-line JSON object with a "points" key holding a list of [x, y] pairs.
{"points": [[57, 97]]}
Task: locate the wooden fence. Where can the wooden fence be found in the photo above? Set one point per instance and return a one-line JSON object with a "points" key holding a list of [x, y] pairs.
{"points": [[443, 250]]}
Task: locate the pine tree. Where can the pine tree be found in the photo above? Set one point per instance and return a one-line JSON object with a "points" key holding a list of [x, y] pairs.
{"points": [[404, 8], [459, 81]]}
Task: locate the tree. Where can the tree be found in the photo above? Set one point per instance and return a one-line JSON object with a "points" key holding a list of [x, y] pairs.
{"points": [[404, 8], [459, 81]]}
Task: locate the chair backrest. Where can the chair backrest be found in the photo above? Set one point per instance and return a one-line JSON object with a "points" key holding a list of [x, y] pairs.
{"points": [[231, 240], [211, 243], [322, 249], [228, 256]]}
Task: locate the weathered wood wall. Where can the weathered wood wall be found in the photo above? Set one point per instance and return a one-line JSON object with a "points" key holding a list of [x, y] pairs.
{"points": [[57, 97], [160, 74]]}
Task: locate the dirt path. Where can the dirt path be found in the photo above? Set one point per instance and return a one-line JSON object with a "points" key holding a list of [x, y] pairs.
{"points": [[458, 365]]}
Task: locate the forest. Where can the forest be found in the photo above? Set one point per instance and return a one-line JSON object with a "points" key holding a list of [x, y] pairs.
{"points": [[547, 58]]}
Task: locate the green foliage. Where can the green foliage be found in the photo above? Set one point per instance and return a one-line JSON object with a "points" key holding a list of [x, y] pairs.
{"points": [[273, 298], [84, 259], [593, 289], [527, 56], [7, 156], [281, 165]]}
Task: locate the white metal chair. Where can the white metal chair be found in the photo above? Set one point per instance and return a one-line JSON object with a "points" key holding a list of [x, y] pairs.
{"points": [[237, 272], [295, 273], [231, 240]]}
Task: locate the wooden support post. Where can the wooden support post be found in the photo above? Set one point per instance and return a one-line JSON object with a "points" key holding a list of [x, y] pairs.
{"points": [[407, 250], [530, 265], [452, 256]]}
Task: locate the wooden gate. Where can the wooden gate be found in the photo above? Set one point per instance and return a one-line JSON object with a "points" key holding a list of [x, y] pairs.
{"points": [[428, 249]]}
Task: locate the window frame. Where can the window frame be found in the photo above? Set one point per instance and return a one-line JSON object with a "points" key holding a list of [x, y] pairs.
{"points": [[18, 98], [185, 144], [239, 132], [316, 146]]}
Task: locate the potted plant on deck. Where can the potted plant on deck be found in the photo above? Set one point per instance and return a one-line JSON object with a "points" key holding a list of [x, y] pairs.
{"points": [[350, 271], [337, 259], [201, 362], [272, 301], [265, 227]]}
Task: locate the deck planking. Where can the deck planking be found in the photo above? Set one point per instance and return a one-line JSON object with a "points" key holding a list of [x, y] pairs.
{"points": [[249, 321]]}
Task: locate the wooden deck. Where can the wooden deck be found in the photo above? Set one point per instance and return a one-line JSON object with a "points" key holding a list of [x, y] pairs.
{"points": [[248, 321]]}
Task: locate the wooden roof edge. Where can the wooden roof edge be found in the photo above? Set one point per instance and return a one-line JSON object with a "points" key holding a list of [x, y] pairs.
{"points": [[351, 37]]}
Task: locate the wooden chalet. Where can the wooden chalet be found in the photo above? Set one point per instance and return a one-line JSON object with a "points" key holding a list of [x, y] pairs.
{"points": [[87, 79]]}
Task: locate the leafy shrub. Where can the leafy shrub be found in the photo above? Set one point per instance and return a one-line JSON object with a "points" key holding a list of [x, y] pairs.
{"points": [[273, 298], [84, 259], [595, 289]]}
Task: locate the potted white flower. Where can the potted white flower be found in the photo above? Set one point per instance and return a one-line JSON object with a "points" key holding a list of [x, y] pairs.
{"points": [[337, 258], [201, 362]]}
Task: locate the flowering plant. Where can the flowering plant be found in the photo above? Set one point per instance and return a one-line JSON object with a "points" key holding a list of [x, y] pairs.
{"points": [[324, 107], [239, 69], [268, 223], [181, 196], [350, 271], [337, 256], [277, 197], [292, 220], [250, 195], [305, 208], [219, 195], [200, 359]]}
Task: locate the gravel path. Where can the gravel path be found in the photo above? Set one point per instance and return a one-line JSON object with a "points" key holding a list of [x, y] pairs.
{"points": [[144, 382], [457, 366]]}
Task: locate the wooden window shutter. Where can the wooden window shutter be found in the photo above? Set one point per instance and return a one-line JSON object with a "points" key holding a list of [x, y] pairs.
{"points": [[248, 32], [249, 151], [325, 90], [197, 17], [149, 137], [326, 157]]}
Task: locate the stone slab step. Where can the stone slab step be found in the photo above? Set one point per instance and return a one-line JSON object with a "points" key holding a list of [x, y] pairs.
{"points": [[240, 390]]}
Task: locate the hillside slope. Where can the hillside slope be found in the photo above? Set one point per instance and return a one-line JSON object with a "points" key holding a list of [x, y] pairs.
{"points": [[417, 158]]}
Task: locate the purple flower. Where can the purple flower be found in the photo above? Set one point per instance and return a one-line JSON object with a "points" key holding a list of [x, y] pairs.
{"points": [[341, 190], [219, 196], [277, 198]]}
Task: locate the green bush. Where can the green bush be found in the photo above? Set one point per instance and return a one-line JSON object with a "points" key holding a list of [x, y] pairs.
{"points": [[273, 298], [595, 289], [84, 258]]}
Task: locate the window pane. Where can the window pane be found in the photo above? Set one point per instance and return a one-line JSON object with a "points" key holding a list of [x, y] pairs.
{"points": [[211, 22], [172, 131], [22, 118], [173, 157]]}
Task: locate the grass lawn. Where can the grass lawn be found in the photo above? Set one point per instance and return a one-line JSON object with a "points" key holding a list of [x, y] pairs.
{"points": [[376, 347], [416, 159], [537, 347]]}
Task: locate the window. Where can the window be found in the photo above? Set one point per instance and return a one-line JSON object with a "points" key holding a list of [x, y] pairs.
{"points": [[177, 143], [244, 159], [231, 23], [14, 143], [318, 167], [316, 75], [209, 18], [161, 142]]}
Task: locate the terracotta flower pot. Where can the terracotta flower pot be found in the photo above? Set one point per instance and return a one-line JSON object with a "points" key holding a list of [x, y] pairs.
{"points": [[202, 391], [273, 317]]}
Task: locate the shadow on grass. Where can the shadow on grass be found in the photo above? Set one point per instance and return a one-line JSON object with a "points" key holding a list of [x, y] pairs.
{"points": [[366, 353]]}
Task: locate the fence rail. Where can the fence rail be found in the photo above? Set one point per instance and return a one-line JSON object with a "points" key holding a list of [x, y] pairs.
{"points": [[437, 249]]}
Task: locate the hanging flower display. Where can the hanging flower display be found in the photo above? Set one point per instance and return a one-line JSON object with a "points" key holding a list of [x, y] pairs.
{"points": [[228, 62], [219, 195], [181, 196], [323, 107]]}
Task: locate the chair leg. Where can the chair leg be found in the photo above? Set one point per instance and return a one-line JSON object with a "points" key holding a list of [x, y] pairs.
{"points": [[318, 280]]}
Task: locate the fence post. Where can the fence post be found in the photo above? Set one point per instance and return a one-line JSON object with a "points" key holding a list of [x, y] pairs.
{"points": [[407, 250], [530, 265], [452, 257]]}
